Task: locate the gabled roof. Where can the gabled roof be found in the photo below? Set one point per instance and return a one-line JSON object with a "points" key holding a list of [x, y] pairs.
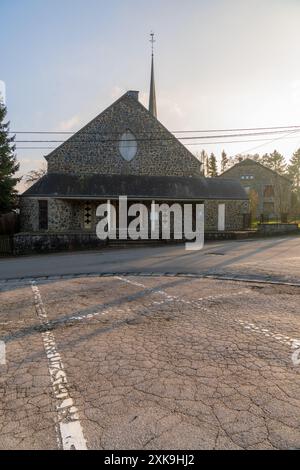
{"points": [[97, 144], [143, 187], [250, 161]]}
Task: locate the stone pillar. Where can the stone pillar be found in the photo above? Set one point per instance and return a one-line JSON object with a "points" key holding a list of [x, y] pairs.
{"points": [[59, 215]]}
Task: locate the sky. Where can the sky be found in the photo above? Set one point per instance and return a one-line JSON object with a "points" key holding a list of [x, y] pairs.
{"points": [[219, 64]]}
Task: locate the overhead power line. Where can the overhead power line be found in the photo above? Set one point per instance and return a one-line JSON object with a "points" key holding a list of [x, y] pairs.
{"points": [[173, 132], [267, 140], [286, 136], [159, 139]]}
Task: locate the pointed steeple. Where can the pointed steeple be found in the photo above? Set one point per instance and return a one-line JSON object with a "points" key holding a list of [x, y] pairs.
{"points": [[152, 96]]}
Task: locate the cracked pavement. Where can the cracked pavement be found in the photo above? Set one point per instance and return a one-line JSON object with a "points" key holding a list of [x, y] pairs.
{"points": [[153, 363]]}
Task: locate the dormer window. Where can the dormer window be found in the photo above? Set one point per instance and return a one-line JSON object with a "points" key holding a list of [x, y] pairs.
{"points": [[128, 146]]}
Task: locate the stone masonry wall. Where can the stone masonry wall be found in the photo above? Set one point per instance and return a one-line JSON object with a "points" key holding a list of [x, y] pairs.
{"points": [[263, 177], [95, 148], [59, 215], [68, 216], [234, 214]]}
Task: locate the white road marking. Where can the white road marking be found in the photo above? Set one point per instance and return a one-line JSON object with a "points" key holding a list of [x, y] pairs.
{"points": [[256, 329], [70, 433], [227, 294], [2, 353], [286, 340], [198, 303]]}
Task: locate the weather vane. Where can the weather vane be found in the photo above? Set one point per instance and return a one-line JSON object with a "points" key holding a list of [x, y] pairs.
{"points": [[152, 40]]}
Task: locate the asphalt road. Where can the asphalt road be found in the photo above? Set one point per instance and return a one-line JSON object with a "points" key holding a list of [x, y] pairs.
{"points": [[272, 258], [152, 362], [133, 362]]}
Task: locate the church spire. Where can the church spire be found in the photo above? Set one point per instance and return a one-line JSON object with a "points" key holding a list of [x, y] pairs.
{"points": [[152, 96]]}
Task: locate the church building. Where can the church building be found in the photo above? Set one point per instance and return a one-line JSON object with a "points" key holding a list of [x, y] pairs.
{"points": [[124, 151]]}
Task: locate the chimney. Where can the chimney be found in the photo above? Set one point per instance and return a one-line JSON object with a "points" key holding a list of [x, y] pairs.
{"points": [[133, 94]]}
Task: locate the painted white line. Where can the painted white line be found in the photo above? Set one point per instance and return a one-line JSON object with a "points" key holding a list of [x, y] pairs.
{"points": [[286, 340], [227, 294], [69, 430], [2, 353]]}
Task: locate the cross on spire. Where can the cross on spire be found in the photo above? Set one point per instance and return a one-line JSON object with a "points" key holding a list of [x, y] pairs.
{"points": [[152, 96], [152, 40]]}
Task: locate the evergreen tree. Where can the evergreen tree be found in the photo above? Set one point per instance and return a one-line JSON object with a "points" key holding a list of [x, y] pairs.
{"points": [[275, 161], [8, 165], [203, 159], [224, 161], [294, 170], [212, 166]]}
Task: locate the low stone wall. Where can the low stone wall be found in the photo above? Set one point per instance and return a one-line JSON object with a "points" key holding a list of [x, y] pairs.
{"points": [[25, 243], [273, 229]]}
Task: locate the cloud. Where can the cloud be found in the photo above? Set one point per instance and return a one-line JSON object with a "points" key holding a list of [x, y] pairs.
{"points": [[69, 124]]}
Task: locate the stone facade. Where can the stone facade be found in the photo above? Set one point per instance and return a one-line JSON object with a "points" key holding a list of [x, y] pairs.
{"points": [[234, 214], [273, 190], [26, 243], [68, 216], [95, 148], [62, 205]]}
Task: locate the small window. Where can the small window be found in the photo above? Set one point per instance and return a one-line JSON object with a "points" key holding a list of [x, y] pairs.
{"points": [[247, 177], [43, 215]]}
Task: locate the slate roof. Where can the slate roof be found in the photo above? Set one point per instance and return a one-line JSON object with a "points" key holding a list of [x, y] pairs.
{"points": [[135, 187]]}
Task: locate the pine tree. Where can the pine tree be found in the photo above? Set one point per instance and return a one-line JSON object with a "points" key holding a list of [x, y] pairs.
{"points": [[203, 159], [8, 166], [212, 166], [294, 170], [275, 161], [224, 161]]}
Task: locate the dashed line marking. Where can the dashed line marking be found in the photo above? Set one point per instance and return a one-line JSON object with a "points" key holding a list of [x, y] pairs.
{"points": [[264, 331], [2, 353], [68, 428]]}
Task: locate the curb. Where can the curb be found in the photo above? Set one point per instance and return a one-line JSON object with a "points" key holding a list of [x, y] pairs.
{"points": [[57, 277]]}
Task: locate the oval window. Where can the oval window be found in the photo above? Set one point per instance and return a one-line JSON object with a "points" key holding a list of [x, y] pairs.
{"points": [[128, 146]]}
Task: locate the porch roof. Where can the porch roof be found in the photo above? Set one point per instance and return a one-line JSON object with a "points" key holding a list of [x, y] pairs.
{"points": [[59, 185]]}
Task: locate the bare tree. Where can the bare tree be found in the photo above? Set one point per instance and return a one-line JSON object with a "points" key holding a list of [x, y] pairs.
{"points": [[34, 175]]}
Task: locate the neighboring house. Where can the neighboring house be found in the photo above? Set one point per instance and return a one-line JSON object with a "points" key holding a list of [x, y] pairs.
{"points": [[273, 190], [125, 150]]}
